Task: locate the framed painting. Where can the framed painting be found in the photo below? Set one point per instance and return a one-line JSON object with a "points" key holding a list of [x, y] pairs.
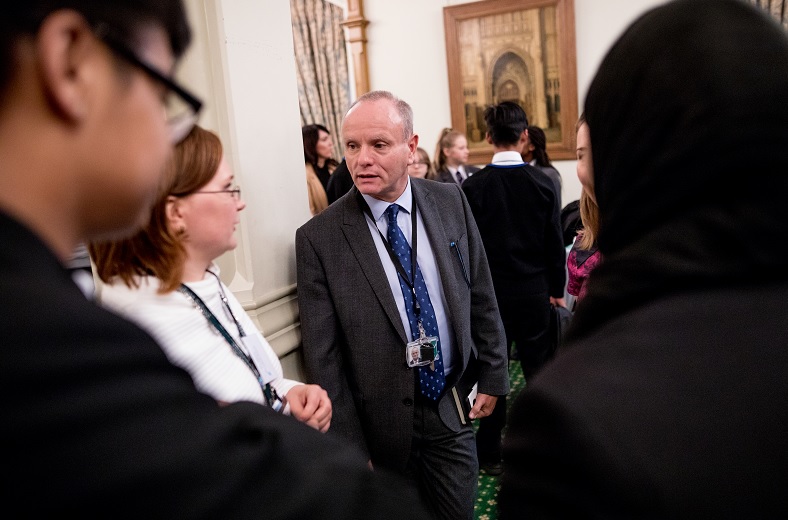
{"points": [[513, 50]]}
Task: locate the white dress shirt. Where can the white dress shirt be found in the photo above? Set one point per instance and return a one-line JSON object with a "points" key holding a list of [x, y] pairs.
{"points": [[426, 261]]}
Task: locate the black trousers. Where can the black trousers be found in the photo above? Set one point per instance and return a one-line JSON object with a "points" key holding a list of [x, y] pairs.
{"points": [[526, 319]]}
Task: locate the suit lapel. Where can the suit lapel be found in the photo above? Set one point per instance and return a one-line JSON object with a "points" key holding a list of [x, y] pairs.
{"points": [[431, 209], [358, 236]]}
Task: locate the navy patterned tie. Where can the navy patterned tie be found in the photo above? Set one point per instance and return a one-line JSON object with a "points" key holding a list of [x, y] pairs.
{"points": [[431, 382]]}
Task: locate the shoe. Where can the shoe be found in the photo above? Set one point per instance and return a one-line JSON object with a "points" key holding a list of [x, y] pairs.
{"points": [[492, 468]]}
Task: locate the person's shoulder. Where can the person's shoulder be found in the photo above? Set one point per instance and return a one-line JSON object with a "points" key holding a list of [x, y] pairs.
{"points": [[444, 175], [478, 176], [118, 294], [540, 177], [550, 170], [331, 215], [470, 169], [442, 189]]}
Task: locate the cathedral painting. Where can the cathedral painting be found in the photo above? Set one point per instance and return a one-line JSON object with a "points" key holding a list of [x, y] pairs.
{"points": [[511, 53]]}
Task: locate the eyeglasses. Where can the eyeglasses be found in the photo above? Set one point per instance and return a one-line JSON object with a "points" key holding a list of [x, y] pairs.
{"points": [[234, 192], [182, 111]]}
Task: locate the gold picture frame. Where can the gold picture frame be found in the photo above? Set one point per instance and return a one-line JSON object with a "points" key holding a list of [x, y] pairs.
{"points": [[519, 50]]}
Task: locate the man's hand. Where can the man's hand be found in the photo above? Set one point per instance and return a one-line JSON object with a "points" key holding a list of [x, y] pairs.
{"points": [[558, 302], [483, 406], [310, 404]]}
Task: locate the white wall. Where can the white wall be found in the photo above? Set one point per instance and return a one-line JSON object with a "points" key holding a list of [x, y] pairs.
{"points": [[407, 55], [242, 64]]}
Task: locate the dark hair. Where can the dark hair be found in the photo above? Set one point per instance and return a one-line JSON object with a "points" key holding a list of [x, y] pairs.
{"points": [[157, 249], [538, 139], [505, 122], [124, 17], [311, 135]]}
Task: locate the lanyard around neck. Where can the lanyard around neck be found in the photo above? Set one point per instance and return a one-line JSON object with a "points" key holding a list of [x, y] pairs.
{"points": [[271, 397], [410, 281]]}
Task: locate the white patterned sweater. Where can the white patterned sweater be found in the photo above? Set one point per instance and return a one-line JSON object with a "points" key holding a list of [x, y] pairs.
{"points": [[192, 343]]}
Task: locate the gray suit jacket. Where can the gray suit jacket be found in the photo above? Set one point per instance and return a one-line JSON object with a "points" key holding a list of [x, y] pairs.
{"points": [[353, 338]]}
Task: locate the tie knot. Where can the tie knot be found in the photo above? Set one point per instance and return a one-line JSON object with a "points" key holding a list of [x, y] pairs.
{"points": [[391, 213]]}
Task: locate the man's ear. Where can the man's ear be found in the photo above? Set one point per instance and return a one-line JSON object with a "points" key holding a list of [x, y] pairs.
{"points": [[488, 138], [413, 144], [67, 49]]}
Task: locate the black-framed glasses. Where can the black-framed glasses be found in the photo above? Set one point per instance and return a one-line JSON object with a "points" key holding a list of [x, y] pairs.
{"points": [[234, 192], [182, 111]]}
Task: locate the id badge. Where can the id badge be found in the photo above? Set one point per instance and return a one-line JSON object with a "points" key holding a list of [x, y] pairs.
{"points": [[257, 351], [422, 351]]}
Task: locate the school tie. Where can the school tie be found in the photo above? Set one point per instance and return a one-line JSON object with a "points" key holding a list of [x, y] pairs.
{"points": [[459, 176], [431, 382]]}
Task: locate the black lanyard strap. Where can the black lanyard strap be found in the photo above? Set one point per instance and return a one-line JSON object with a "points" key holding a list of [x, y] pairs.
{"points": [[271, 397], [410, 281]]}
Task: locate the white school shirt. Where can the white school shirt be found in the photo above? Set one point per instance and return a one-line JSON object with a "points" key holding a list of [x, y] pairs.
{"points": [[192, 343], [426, 260]]}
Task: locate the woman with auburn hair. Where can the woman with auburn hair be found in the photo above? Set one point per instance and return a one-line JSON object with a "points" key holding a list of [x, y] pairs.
{"points": [[451, 154], [164, 278], [319, 163]]}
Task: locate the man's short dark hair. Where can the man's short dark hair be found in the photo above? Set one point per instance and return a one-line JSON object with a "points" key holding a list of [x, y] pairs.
{"points": [[124, 17], [505, 122]]}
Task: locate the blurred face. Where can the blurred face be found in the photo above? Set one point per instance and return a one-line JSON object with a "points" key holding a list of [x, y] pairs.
{"points": [[210, 216], [376, 150], [585, 168], [324, 148], [457, 154], [419, 167], [130, 142]]}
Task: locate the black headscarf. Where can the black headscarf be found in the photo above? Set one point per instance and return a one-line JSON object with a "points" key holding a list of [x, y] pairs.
{"points": [[688, 117]]}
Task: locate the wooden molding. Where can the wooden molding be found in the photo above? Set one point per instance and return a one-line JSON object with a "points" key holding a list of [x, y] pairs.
{"points": [[356, 35]]}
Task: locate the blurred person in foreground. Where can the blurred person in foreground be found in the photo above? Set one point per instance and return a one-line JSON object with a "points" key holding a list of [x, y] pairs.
{"points": [[670, 399], [97, 421], [165, 280]]}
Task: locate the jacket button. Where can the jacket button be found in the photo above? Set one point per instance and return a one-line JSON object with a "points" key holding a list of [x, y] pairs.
{"points": [[407, 401]]}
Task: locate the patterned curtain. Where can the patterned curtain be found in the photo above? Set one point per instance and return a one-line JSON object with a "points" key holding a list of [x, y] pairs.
{"points": [[321, 65], [774, 7]]}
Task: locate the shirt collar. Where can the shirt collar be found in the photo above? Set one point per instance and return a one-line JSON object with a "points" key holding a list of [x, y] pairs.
{"points": [[378, 207], [508, 158]]}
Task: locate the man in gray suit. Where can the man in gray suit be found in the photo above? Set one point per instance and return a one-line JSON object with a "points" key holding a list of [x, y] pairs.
{"points": [[360, 321]]}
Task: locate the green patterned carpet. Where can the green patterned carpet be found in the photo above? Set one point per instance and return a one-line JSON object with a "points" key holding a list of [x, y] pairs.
{"points": [[486, 505]]}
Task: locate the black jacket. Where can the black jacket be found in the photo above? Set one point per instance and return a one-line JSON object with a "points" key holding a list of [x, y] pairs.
{"points": [[97, 422]]}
